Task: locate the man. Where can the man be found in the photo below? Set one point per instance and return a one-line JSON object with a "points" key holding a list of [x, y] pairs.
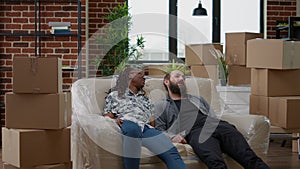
{"points": [[189, 119], [133, 111]]}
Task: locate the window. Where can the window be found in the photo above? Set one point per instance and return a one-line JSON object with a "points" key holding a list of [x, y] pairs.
{"points": [[151, 21], [150, 18], [244, 18]]}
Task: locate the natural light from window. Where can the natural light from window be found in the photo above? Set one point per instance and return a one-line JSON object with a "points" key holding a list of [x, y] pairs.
{"points": [[150, 19]]}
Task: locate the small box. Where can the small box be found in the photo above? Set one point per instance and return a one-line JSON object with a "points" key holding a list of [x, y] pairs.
{"points": [[236, 46], [273, 54], [156, 70], [67, 165], [239, 75], [27, 148], [38, 111], [37, 75], [259, 105], [284, 111], [272, 82], [205, 71], [201, 54]]}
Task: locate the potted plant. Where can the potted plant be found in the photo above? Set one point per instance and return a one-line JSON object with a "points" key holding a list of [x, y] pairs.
{"points": [[115, 43], [223, 66], [177, 66]]}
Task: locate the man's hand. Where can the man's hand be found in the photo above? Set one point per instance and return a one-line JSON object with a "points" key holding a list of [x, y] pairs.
{"points": [[178, 139]]}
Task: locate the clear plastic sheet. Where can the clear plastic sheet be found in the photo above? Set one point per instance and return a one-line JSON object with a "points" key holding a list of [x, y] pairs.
{"points": [[96, 140]]}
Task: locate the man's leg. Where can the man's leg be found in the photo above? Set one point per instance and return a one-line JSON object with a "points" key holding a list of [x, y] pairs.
{"points": [[132, 135], [160, 145], [234, 144], [209, 151]]}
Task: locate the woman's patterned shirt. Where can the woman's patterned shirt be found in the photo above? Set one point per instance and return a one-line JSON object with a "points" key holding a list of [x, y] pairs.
{"points": [[134, 107]]}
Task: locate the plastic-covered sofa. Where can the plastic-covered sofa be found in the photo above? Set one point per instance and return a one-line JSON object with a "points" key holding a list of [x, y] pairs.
{"points": [[97, 143]]}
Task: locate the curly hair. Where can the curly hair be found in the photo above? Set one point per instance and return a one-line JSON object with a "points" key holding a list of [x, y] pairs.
{"points": [[123, 80]]}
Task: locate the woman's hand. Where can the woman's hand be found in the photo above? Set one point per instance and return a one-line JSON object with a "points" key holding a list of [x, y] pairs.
{"points": [[119, 122], [111, 115]]}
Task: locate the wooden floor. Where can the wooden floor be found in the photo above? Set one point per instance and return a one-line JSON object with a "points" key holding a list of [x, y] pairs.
{"points": [[278, 157]]}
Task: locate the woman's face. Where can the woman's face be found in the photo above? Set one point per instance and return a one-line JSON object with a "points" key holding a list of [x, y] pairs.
{"points": [[137, 78]]}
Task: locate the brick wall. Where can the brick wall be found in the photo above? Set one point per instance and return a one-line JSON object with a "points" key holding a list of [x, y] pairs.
{"points": [[18, 17], [279, 10]]}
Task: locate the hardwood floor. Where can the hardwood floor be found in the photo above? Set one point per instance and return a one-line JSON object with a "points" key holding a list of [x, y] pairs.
{"points": [[278, 157]]}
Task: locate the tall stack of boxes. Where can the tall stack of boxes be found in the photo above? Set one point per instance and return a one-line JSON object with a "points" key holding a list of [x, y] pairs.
{"points": [[38, 116], [275, 80], [236, 55], [201, 60]]}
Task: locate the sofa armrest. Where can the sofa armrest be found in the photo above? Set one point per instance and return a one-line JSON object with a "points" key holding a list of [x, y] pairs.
{"points": [[255, 128]]}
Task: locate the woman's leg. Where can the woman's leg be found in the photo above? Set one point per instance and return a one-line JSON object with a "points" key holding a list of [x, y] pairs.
{"points": [[132, 135], [160, 145]]}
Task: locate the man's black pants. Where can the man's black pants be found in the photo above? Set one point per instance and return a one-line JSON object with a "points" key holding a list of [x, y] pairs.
{"points": [[222, 137]]}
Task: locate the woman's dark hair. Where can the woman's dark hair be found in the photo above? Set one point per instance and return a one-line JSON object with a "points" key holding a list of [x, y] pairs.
{"points": [[123, 79], [122, 82]]}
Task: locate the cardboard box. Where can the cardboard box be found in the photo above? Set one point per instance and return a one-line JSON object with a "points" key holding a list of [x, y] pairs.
{"points": [[271, 82], [295, 145], [156, 70], [284, 112], [239, 75], [38, 111], [273, 54], [67, 165], [236, 46], [201, 54], [37, 75], [27, 148], [206, 71], [259, 105]]}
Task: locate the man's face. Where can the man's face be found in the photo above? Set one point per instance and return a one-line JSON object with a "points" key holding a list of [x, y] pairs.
{"points": [[137, 78], [177, 82]]}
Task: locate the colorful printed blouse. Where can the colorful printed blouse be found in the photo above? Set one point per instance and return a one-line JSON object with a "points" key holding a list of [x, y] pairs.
{"points": [[134, 107]]}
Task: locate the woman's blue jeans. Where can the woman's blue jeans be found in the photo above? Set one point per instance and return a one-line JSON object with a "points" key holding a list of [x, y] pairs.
{"points": [[134, 138]]}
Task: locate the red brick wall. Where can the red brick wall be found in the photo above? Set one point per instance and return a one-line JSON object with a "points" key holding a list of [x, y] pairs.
{"points": [[19, 17], [279, 10]]}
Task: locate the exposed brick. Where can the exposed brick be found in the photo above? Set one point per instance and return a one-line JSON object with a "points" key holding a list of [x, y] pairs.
{"points": [[5, 44], [69, 8], [21, 44], [12, 50], [62, 50], [20, 8], [13, 26], [13, 14]]}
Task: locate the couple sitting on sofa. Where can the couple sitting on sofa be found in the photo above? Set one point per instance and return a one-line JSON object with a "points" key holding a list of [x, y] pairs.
{"points": [[180, 118]]}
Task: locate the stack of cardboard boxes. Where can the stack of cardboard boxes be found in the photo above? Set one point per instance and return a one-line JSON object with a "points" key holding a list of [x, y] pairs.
{"points": [[236, 55], [275, 80], [38, 116], [202, 62]]}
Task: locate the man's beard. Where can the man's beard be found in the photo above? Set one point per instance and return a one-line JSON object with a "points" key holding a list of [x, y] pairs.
{"points": [[174, 88]]}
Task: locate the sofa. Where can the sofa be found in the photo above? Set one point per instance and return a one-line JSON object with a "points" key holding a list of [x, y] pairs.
{"points": [[96, 142]]}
